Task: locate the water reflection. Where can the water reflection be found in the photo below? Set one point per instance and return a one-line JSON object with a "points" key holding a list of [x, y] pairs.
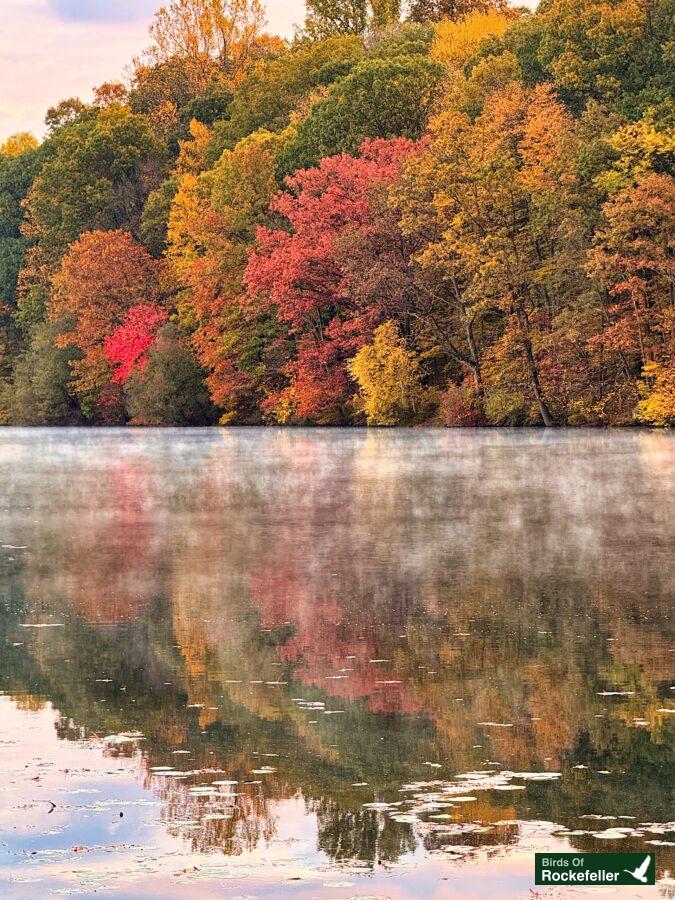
{"points": [[349, 618]]}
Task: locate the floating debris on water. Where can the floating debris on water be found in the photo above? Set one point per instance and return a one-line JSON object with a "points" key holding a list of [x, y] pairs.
{"points": [[124, 737], [496, 724], [534, 776]]}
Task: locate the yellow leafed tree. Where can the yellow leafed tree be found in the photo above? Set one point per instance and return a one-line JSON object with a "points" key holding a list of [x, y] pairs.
{"points": [[192, 156], [456, 42], [389, 379], [658, 407], [19, 143]]}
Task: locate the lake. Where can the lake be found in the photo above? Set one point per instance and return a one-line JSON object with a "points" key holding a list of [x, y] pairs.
{"points": [[332, 663]]}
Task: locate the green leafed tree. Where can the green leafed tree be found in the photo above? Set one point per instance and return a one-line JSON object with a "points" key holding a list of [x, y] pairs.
{"points": [[277, 85], [19, 164], [327, 17], [169, 389], [39, 391], [380, 98], [97, 173], [155, 216], [436, 10], [620, 52]]}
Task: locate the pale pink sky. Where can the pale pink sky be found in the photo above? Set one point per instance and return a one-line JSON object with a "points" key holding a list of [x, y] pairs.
{"points": [[53, 49]]}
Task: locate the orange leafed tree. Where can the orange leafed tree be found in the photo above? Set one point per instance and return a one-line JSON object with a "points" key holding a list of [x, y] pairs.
{"points": [[633, 258], [213, 221], [103, 275], [213, 38]]}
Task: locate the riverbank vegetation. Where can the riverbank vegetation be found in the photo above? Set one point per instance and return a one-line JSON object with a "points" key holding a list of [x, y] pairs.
{"points": [[457, 212]]}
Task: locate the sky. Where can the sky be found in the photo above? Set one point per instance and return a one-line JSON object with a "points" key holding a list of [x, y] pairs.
{"points": [[54, 49]]}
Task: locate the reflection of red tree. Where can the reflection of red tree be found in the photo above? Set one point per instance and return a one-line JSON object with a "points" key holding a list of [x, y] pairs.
{"points": [[111, 567], [325, 651]]}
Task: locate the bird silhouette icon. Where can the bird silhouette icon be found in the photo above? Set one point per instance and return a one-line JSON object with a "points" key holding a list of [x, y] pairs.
{"points": [[640, 874]]}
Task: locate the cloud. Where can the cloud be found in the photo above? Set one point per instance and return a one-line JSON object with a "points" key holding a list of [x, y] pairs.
{"points": [[103, 10]]}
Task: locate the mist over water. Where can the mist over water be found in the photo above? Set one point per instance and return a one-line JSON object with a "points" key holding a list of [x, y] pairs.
{"points": [[334, 662]]}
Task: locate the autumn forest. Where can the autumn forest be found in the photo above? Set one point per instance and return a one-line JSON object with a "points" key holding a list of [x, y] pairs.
{"points": [[456, 213]]}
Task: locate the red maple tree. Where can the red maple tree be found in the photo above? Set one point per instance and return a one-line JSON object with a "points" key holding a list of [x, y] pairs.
{"points": [[302, 273], [127, 348]]}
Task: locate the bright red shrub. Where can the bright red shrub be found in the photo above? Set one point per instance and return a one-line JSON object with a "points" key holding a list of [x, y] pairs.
{"points": [[127, 347]]}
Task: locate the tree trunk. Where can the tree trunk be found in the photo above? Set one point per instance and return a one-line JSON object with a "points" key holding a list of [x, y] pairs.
{"points": [[475, 360], [544, 411]]}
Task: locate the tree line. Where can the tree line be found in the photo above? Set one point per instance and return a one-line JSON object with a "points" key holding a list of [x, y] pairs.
{"points": [[459, 213]]}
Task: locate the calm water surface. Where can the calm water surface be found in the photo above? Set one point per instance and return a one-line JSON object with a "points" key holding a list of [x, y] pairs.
{"points": [[270, 663]]}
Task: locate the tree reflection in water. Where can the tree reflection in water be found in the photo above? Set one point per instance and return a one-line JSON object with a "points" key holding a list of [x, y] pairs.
{"points": [[347, 608]]}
